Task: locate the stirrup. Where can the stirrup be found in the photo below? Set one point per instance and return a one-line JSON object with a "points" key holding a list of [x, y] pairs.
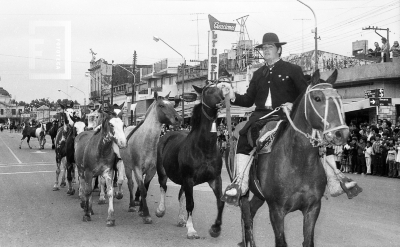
{"points": [[232, 200], [352, 192]]}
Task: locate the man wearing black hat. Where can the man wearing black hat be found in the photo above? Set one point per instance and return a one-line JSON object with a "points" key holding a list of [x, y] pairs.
{"points": [[274, 84]]}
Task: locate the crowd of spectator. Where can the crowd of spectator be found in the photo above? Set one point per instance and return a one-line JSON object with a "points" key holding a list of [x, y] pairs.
{"points": [[371, 150], [383, 53]]}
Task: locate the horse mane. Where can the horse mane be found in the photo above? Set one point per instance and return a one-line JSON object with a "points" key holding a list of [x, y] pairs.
{"points": [[196, 116]]}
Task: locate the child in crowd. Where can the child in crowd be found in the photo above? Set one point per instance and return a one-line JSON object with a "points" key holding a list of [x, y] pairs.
{"points": [[391, 159], [397, 171], [368, 152]]}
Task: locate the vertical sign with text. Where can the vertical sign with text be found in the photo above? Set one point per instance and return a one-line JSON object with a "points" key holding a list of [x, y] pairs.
{"points": [[213, 58]]}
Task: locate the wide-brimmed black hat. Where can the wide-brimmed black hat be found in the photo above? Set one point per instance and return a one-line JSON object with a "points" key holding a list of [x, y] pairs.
{"points": [[270, 38]]}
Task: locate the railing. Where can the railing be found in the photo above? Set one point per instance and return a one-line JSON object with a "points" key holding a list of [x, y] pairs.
{"points": [[156, 89]]}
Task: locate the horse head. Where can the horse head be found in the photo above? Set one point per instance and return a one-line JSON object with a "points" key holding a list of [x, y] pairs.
{"points": [[118, 109], [211, 98], [78, 124], [324, 109], [112, 129], [68, 112], [94, 118], [165, 111]]}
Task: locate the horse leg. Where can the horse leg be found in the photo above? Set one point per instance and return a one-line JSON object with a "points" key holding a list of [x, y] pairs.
{"points": [[121, 172], [143, 194], [64, 163], [188, 188], [128, 173], [73, 173], [182, 209], [108, 175], [27, 140], [162, 180], [216, 186], [23, 137], [102, 185], [71, 190], [58, 171], [81, 188], [87, 198], [52, 145], [247, 222], [137, 197], [310, 218], [277, 217]]}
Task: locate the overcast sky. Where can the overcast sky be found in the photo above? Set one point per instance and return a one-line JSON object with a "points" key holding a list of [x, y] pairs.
{"points": [[114, 29]]}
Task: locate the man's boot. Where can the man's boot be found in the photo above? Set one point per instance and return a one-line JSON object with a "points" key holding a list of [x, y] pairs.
{"points": [[240, 184], [337, 178]]}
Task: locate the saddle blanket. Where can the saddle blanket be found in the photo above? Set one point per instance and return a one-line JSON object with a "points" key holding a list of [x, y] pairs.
{"points": [[267, 137]]}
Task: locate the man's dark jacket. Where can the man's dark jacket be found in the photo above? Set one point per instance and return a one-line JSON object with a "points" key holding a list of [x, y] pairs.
{"points": [[286, 82]]}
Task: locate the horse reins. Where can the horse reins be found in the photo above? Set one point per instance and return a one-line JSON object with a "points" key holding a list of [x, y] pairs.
{"points": [[209, 107]]}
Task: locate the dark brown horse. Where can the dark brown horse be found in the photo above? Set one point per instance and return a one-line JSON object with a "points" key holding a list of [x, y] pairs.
{"points": [[51, 130], [99, 159], [292, 177], [60, 142], [78, 127], [192, 158]]}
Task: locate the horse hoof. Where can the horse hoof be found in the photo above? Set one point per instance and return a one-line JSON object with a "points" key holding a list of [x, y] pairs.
{"points": [[160, 213], [30, 148], [19, 147], [147, 220], [141, 213], [193, 235], [56, 188], [119, 196], [240, 244], [71, 192], [110, 222], [215, 231], [86, 218], [63, 184], [136, 203], [181, 223], [132, 209], [101, 202]]}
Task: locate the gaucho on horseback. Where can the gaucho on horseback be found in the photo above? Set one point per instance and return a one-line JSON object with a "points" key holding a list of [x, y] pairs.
{"points": [[275, 85]]}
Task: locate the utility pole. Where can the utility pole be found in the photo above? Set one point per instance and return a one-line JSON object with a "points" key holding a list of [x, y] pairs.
{"points": [[302, 32], [133, 85], [198, 40]]}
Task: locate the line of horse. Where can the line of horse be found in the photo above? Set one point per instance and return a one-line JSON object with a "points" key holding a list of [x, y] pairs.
{"points": [[291, 176]]}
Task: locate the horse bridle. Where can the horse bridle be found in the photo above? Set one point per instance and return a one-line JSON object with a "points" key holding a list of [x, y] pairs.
{"points": [[316, 137], [329, 93], [212, 84]]}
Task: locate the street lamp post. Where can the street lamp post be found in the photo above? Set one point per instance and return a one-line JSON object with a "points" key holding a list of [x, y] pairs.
{"points": [[316, 36], [133, 85], [84, 99], [59, 90], [156, 39]]}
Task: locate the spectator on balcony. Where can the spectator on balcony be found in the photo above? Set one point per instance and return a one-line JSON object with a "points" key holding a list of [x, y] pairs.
{"points": [[395, 52], [385, 50]]}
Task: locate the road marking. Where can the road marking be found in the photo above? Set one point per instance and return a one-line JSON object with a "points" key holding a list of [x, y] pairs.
{"points": [[12, 173], [16, 165], [38, 152], [15, 156]]}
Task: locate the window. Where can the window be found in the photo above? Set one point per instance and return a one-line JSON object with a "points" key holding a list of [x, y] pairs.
{"points": [[13, 111], [2, 112]]}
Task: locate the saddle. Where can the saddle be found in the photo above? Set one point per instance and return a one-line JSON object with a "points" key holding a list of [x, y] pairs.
{"points": [[261, 135]]}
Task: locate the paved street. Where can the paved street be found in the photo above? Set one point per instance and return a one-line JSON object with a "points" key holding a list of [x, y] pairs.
{"points": [[34, 215]]}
